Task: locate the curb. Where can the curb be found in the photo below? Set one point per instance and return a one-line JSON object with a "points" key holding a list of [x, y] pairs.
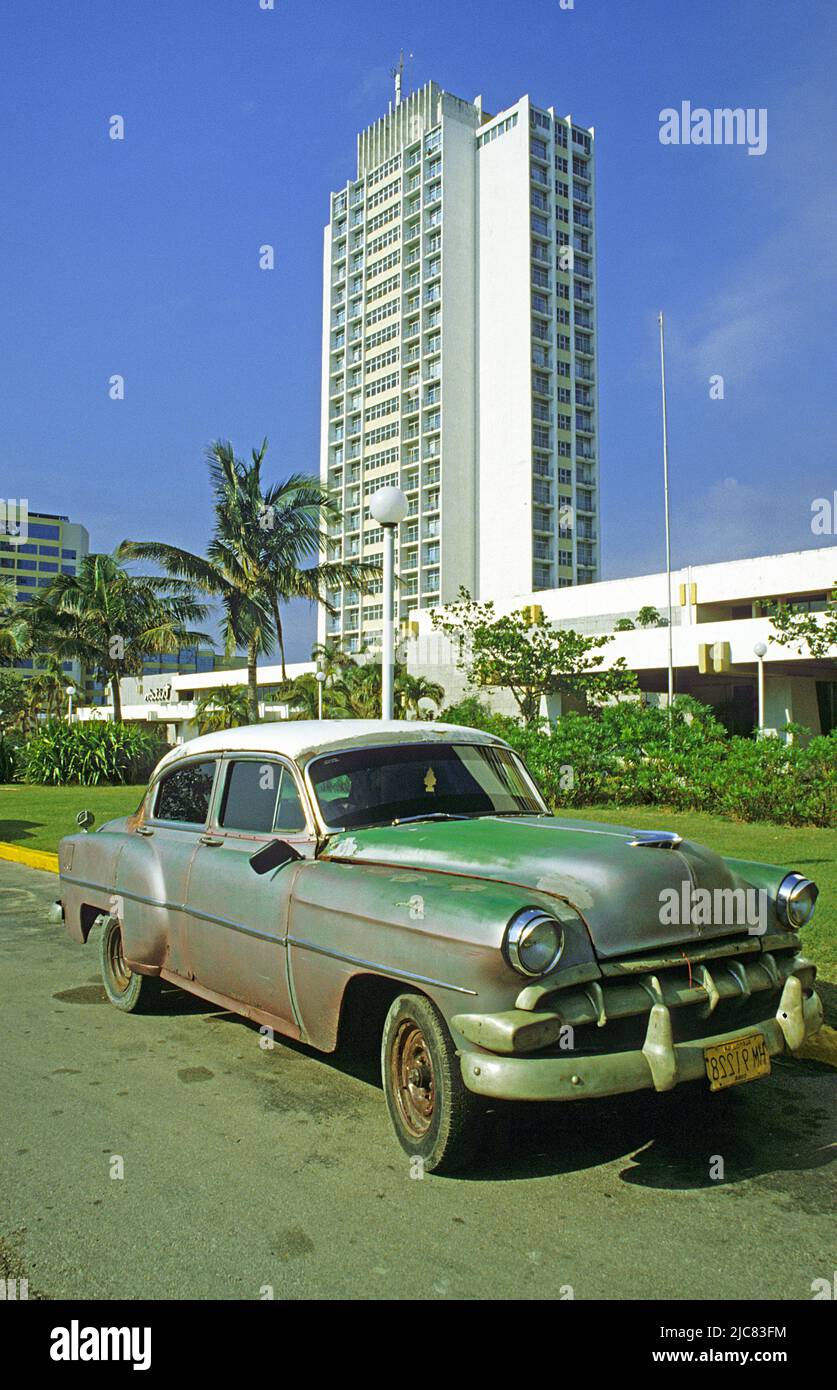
{"points": [[820, 1047], [33, 858]]}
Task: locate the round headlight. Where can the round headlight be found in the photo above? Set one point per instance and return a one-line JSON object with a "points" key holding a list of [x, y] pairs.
{"points": [[796, 899], [534, 941]]}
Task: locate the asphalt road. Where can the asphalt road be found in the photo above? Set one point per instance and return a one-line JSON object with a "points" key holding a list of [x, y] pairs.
{"points": [[246, 1168]]}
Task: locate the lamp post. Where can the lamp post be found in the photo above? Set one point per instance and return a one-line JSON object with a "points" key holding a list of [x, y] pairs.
{"points": [[388, 506], [759, 649], [69, 691], [320, 676], [668, 521]]}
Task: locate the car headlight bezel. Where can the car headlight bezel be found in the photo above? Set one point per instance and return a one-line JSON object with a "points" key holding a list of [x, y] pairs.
{"points": [[796, 900], [520, 930]]}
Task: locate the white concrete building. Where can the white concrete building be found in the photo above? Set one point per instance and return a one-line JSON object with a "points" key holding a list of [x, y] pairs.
{"points": [[718, 619], [171, 701], [719, 616], [459, 354]]}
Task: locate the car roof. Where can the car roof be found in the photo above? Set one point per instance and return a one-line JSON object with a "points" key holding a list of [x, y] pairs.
{"points": [[302, 739]]}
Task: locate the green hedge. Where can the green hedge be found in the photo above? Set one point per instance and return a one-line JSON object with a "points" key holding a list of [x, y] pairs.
{"points": [[89, 754], [629, 755]]}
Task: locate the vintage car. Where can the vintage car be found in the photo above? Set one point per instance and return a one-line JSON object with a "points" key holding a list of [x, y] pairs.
{"points": [[409, 877]]}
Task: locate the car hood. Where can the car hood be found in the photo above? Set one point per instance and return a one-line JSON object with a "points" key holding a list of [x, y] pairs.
{"points": [[617, 886]]}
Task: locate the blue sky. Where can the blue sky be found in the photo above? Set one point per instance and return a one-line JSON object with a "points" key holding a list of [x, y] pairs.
{"points": [[140, 257]]}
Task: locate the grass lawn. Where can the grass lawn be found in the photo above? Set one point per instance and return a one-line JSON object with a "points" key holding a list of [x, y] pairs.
{"points": [[36, 818]]}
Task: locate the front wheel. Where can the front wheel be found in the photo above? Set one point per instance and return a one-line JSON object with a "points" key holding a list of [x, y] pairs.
{"points": [[125, 989], [435, 1117]]}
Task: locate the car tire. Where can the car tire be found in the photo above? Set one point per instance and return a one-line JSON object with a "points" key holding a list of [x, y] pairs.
{"points": [[126, 990], [435, 1117]]}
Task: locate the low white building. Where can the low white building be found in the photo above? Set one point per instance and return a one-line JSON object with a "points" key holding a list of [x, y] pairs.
{"points": [[171, 701], [718, 618]]}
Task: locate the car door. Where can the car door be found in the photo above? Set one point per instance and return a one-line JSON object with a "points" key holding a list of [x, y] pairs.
{"points": [[237, 919], [153, 871]]}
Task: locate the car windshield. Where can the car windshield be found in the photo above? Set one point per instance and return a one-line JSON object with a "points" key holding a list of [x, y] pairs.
{"points": [[410, 781]]}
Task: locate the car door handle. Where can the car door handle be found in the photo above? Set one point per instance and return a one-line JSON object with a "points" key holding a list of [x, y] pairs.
{"points": [[144, 830], [209, 840]]}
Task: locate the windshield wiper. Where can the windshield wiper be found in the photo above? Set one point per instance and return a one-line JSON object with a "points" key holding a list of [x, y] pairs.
{"points": [[429, 815]]}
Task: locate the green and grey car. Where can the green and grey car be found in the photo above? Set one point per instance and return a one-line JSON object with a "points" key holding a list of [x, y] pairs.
{"points": [[325, 877]]}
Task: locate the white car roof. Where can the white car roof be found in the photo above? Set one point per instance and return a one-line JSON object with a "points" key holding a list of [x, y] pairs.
{"points": [[301, 739]]}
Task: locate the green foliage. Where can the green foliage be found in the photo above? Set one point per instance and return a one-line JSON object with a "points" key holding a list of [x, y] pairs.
{"points": [[474, 713], [110, 620], [627, 755], [9, 757], [650, 617], [12, 698], [352, 690], [90, 754], [623, 625], [521, 652], [225, 707], [262, 554], [809, 634]]}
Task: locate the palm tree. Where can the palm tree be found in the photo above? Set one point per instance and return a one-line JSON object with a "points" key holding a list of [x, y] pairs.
{"points": [[13, 628], [332, 660], [109, 619], [46, 690], [225, 707], [413, 689], [254, 561]]}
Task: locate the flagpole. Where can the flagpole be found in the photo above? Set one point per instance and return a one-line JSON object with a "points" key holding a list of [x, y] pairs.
{"points": [[668, 521]]}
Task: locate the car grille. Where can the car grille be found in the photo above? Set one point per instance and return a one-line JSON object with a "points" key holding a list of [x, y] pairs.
{"points": [[734, 985]]}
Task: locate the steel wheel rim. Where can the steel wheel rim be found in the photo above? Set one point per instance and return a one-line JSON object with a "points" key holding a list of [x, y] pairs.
{"points": [[412, 1077], [119, 971]]}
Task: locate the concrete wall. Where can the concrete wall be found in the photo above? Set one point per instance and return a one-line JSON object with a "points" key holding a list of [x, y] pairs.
{"points": [[505, 363]]}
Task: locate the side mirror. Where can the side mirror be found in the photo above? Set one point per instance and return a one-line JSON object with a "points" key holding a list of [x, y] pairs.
{"points": [[84, 820], [273, 855]]}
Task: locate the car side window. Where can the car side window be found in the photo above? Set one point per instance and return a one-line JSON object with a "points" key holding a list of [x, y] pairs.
{"points": [[250, 795], [290, 815], [184, 794]]}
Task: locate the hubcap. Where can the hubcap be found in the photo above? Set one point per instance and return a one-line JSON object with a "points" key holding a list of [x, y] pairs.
{"points": [[413, 1082], [119, 971]]}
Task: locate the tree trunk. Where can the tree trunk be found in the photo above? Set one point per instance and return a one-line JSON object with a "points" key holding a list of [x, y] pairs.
{"points": [[280, 638], [117, 700], [253, 683]]}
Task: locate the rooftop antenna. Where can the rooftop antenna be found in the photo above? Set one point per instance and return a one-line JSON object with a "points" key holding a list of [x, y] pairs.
{"points": [[398, 74]]}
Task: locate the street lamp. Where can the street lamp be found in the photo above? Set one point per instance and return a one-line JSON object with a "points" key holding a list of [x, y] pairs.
{"points": [[320, 676], [69, 691], [388, 506], [759, 650]]}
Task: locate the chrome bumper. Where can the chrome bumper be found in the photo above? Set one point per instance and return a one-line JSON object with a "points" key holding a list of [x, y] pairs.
{"points": [[660, 1065]]}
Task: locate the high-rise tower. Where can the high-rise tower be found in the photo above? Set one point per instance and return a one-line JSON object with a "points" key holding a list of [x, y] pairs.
{"points": [[459, 354]]}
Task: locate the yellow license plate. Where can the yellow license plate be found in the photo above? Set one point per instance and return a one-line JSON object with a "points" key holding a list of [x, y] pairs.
{"points": [[743, 1059]]}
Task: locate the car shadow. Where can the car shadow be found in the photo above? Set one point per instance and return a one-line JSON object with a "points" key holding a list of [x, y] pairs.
{"points": [[12, 830], [685, 1140]]}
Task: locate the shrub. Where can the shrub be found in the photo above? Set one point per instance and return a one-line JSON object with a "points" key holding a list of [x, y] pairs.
{"points": [[10, 748], [629, 754], [90, 754]]}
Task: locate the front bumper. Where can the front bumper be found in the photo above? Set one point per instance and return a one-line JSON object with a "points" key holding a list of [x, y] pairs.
{"points": [[660, 1065]]}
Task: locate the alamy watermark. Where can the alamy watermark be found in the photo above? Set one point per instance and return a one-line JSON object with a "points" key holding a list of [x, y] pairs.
{"points": [[723, 125], [687, 906], [14, 519]]}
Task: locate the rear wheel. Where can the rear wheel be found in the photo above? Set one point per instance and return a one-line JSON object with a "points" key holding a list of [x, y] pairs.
{"points": [[435, 1117], [128, 991]]}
